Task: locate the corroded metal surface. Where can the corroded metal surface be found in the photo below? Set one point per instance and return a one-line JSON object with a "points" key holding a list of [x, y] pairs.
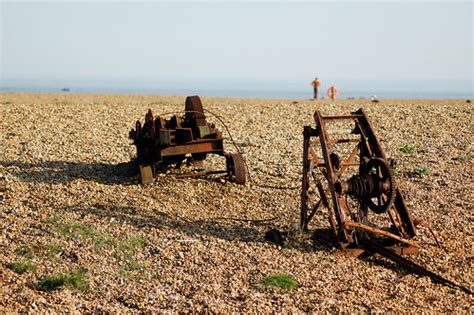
{"points": [[327, 183], [169, 141], [346, 172]]}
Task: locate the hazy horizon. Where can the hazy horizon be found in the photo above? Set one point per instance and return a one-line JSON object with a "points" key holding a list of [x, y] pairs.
{"points": [[395, 47], [257, 89]]}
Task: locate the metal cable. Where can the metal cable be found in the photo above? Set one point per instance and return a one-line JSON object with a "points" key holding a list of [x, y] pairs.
{"points": [[251, 182]]}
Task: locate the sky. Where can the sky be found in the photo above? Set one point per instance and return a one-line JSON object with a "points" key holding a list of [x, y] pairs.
{"points": [[228, 44]]}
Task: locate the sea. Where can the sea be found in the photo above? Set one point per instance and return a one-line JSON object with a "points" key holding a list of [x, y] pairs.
{"points": [[273, 91]]}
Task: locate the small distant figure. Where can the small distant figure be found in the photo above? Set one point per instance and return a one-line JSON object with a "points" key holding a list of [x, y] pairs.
{"points": [[374, 99], [315, 85]]}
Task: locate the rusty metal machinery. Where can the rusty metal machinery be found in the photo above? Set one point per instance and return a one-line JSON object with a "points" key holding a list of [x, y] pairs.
{"points": [[351, 199], [366, 210], [163, 141]]}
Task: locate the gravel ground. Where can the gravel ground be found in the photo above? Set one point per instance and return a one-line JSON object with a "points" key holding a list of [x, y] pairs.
{"points": [[70, 202]]}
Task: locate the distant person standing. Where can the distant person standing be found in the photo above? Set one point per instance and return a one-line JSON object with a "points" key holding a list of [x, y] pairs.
{"points": [[315, 85]]}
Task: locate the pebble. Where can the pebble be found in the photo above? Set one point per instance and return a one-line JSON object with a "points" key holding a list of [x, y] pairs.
{"points": [[64, 156]]}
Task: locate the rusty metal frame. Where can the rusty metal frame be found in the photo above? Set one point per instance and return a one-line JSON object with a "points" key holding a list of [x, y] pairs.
{"points": [[367, 146], [198, 146], [168, 141], [369, 239]]}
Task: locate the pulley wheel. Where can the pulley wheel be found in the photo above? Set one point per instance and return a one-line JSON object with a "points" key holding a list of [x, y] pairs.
{"points": [[383, 172], [194, 112], [236, 168]]}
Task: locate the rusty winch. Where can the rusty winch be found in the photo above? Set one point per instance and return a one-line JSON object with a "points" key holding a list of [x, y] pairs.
{"points": [[366, 210], [364, 205], [162, 142]]}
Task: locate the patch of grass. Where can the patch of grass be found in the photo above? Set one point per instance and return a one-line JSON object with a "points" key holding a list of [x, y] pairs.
{"points": [[101, 240], [31, 251], [133, 265], [131, 245], [133, 269], [126, 249], [26, 251], [74, 230], [279, 280], [129, 248], [422, 170], [408, 148], [79, 230], [462, 158], [8, 102], [75, 280], [54, 249], [22, 267], [50, 283]]}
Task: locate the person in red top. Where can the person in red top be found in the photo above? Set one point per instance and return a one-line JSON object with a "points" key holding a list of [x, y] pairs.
{"points": [[315, 85]]}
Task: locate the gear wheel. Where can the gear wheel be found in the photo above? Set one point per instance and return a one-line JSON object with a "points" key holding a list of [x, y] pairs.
{"points": [[380, 169]]}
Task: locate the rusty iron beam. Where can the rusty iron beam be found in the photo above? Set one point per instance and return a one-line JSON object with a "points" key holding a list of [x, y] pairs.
{"points": [[376, 148], [374, 230], [340, 215], [341, 117], [305, 179], [336, 141], [211, 146]]}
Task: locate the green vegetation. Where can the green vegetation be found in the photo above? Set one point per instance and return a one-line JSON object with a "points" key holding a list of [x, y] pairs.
{"points": [[126, 249], [101, 240], [75, 280], [54, 249], [79, 231], [31, 251], [132, 270], [129, 249], [462, 158], [133, 265], [82, 231], [50, 283], [22, 267], [280, 280], [131, 245], [421, 170], [25, 251], [408, 148], [76, 230]]}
